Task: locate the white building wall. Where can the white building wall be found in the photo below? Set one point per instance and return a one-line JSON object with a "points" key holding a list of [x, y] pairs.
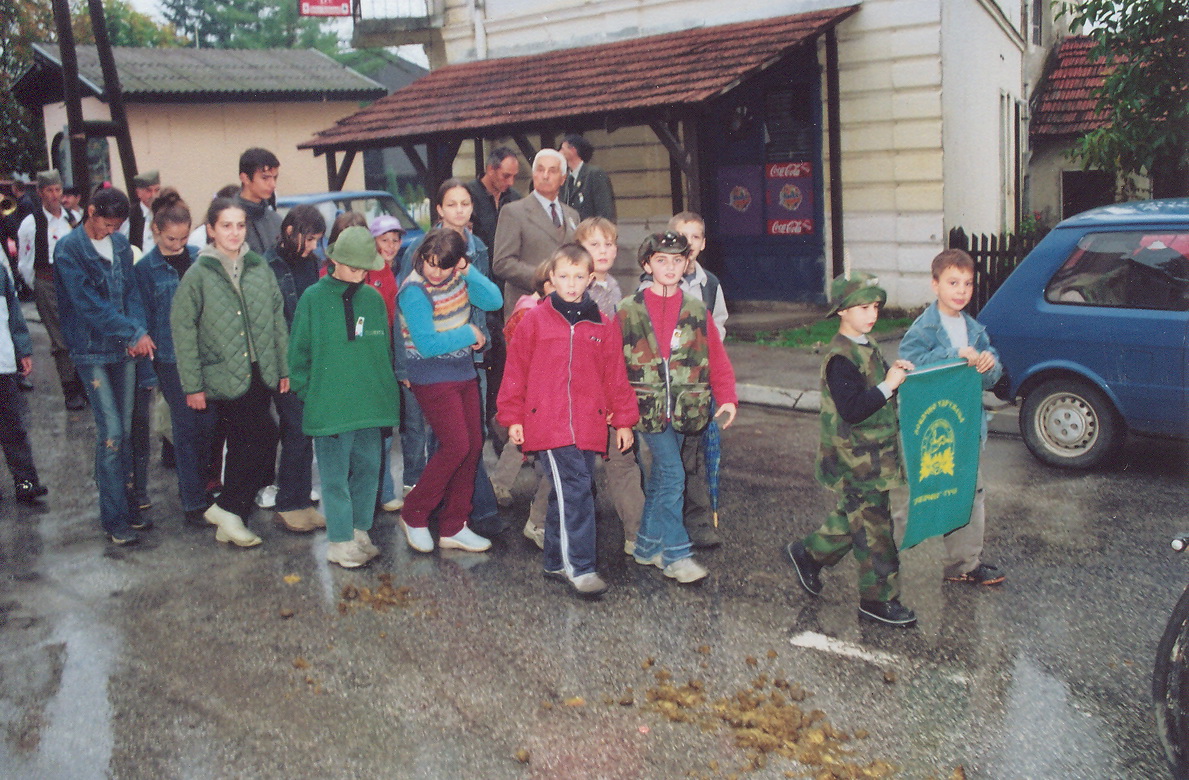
{"points": [[197, 147], [917, 158]]}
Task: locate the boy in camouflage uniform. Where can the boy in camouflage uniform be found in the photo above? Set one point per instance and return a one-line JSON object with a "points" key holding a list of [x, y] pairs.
{"points": [[859, 457]]}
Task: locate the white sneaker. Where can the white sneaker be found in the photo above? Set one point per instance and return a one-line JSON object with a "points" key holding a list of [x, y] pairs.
{"points": [[315, 496], [365, 543], [408, 488], [349, 555], [395, 505], [231, 527], [629, 546], [418, 538], [267, 497], [589, 584], [685, 570], [535, 534], [653, 561], [467, 540]]}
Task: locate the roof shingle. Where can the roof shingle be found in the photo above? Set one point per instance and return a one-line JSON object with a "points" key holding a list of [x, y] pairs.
{"points": [[179, 74], [1065, 104], [670, 70]]}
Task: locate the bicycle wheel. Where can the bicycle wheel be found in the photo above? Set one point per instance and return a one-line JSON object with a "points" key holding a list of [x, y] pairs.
{"points": [[1170, 689]]}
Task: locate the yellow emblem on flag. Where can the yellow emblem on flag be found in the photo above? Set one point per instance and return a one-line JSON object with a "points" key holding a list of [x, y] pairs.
{"points": [[937, 449]]}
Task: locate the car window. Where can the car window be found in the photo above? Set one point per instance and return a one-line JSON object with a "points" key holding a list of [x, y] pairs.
{"points": [[1128, 269]]}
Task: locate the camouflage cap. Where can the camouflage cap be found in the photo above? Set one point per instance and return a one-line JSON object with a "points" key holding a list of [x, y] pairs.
{"points": [[856, 290]]}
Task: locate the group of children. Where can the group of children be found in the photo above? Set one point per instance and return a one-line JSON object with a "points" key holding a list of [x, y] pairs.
{"points": [[588, 372]]}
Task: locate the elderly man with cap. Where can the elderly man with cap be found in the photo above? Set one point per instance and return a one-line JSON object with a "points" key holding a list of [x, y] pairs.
{"points": [[37, 238], [148, 187]]}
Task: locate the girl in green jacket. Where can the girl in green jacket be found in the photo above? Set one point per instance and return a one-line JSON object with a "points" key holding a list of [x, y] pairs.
{"points": [[231, 339]]}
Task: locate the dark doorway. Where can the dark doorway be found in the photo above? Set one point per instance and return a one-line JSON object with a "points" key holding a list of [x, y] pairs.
{"points": [[1081, 190]]}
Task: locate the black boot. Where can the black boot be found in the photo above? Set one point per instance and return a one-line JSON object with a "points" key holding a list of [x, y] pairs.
{"points": [[76, 397]]}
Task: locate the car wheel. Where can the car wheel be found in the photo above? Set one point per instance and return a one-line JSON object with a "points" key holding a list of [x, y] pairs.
{"points": [[1070, 424]]}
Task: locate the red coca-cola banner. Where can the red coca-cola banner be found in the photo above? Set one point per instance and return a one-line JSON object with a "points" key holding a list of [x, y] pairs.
{"points": [[324, 7], [790, 227]]}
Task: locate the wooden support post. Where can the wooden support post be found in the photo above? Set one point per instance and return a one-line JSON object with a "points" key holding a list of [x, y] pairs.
{"points": [[676, 183], [693, 177], [331, 170], [80, 172], [415, 160], [480, 158], [837, 246], [525, 147]]}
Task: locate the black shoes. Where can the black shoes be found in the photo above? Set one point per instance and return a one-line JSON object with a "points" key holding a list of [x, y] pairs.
{"points": [[808, 571], [28, 492], [983, 574], [24, 383], [890, 613]]}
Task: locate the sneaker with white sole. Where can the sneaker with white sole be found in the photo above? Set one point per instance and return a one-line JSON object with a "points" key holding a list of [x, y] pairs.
{"points": [[364, 540], [629, 547], [299, 520], [418, 538], [653, 561], [395, 505], [590, 585], [231, 527], [535, 534], [349, 555], [267, 497], [685, 570], [467, 540]]}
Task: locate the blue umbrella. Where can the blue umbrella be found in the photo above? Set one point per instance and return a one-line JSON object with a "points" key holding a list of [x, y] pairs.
{"points": [[712, 446]]}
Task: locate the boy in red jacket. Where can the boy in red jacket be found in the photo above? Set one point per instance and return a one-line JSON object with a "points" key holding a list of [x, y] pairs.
{"points": [[578, 385]]}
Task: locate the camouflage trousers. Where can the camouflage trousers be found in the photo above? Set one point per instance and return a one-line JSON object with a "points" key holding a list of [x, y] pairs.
{"points": [[862, 523]]}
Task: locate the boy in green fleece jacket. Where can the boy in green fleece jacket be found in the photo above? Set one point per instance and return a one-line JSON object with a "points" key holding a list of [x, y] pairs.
{"points": [[340, 332]]}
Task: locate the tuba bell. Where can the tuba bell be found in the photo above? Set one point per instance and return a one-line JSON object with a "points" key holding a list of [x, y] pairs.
{"points": [[8, 205]]}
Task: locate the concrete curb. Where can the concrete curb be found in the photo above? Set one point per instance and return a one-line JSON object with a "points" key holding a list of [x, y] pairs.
{"points": [[780, 398]]}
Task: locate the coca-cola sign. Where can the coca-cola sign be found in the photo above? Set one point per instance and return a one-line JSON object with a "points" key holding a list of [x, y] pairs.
{"points": [[790, 227], [789, 170]]}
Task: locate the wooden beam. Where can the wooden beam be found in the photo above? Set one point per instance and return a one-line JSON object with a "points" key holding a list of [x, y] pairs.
{"points": [[676, 183], [331, 170], [693, 175], [677, 151], [480, 158], [525, 147], [80, 173], [834, 130], [415, 160]]}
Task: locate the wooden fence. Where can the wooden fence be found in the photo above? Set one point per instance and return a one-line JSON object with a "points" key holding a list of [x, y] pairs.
{"points": [[995, 257]]}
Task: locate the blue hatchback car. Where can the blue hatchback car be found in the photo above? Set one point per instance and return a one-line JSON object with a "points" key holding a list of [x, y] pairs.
{"points": [[1093, 331]]}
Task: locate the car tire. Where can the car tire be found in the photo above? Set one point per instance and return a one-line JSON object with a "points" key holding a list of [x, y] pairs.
{"points": [[1070, 424]]}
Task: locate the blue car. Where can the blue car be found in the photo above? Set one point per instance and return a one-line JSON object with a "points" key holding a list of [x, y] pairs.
{"points": [[1093, 331], [369, 203]]}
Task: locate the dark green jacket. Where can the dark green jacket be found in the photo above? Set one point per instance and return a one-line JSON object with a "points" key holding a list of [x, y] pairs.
{"points": [[345, 380], [862, 456], [212, 323]]}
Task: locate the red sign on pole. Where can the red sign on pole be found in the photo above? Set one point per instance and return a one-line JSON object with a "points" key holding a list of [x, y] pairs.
{"points": [[324, 7]]}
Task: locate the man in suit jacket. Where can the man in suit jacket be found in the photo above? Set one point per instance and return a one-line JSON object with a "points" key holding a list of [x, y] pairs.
{"points": [[531, 229], [587, 187]]}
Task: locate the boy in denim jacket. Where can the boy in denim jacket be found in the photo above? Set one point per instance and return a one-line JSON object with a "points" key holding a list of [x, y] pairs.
{"points": [[945, 332]]}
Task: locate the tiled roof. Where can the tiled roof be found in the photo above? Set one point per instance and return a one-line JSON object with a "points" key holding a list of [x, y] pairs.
{"points": [[1065, 104], [186, 75], [517, 93]]}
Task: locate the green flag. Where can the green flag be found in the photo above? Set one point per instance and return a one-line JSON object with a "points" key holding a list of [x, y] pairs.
{"points": [[940, 430]]}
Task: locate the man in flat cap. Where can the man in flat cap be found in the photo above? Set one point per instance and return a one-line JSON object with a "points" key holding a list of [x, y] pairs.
{"points": [[38, 235], [148, 187]]}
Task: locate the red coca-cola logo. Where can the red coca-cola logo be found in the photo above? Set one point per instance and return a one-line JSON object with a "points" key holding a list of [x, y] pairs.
{"points": [[790, 227], [791, 170], [739, 199]]}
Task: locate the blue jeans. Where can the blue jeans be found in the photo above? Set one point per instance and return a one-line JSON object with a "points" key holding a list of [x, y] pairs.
{"points": [[191, 439], [295, 474], [349, 463], [110, 388], [661, 526]]}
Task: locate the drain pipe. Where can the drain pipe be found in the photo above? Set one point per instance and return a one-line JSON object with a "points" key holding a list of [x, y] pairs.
{"points": [[477, 8]]}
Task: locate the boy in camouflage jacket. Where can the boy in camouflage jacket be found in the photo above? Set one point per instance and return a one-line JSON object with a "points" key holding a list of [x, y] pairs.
{"points": [[859, 457]]}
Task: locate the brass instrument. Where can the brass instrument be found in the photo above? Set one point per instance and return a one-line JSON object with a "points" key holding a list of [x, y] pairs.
{"points": [[8, 205]]}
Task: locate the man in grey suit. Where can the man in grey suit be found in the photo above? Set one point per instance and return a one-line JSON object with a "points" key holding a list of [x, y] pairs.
{"points": [[531, 229], [587, 187]]}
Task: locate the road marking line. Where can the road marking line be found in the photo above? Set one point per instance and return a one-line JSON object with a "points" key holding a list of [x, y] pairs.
{"points": [[828, 644]]}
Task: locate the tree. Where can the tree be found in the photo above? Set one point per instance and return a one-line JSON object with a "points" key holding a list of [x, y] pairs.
{"points": [[22, 142], [248, 24], [1145, 94], [125, 27]]}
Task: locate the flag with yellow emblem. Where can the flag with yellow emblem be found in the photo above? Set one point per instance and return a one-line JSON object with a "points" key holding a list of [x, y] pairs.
{"points": [[940, 428]]}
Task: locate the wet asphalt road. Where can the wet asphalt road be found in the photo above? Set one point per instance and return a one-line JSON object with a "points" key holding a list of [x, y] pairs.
{"points": [[174, 660]]}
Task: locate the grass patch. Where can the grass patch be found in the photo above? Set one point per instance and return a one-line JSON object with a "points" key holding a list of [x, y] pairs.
{"points": [[822, 331]]}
